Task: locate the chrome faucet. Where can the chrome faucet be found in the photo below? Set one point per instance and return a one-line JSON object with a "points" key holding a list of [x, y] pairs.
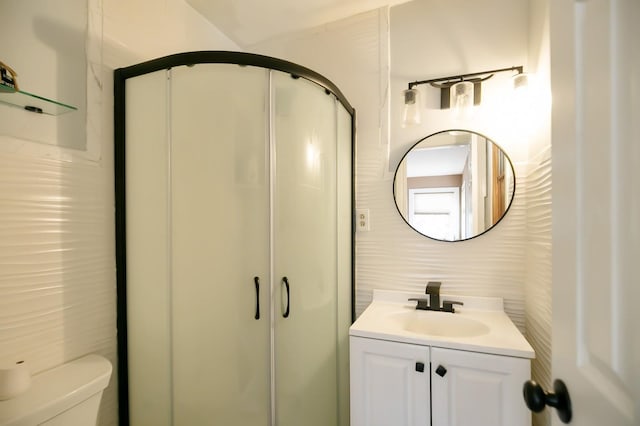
{"points": [[433, 302]]}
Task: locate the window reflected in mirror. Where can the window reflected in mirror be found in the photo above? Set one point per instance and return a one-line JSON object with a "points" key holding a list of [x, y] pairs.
{"points": [[454, 185]]}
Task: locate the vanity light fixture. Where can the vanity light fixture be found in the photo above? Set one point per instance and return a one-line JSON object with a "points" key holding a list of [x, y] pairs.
{"points": [[459, 92]]}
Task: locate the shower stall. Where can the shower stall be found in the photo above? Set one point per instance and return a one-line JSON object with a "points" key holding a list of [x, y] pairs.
{"points": [[234, 199]]}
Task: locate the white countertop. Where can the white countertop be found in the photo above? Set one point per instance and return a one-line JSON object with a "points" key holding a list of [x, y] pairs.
{"points": [[384, 319]]}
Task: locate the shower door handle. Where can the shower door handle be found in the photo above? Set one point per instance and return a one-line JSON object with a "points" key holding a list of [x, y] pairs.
{"points": [[256, 281], [286, 286]]}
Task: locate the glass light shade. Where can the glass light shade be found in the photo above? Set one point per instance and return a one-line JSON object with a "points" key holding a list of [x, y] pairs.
{"points": [[462, 99], [520, 81], [411, 110], [522, 91]]}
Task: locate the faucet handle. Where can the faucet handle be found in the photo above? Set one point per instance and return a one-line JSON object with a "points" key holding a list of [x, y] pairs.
{"points": [[447, 305], [423, 304]]}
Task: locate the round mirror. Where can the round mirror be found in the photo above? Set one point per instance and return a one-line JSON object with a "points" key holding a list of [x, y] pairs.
{"points": [[454, 185]]}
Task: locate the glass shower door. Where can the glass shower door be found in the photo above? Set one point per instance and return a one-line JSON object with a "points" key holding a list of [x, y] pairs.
{"points": [[148, 299], [305, 253], [220, 245], [238, 249]]}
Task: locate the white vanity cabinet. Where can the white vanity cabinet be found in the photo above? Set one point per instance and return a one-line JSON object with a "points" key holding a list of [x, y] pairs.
{"points": [[404, 384], [478, 389], [390, 383], [414, 367]]}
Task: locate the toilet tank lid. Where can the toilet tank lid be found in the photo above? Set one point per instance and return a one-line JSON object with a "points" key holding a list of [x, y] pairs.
{"points": [[56, 390]]}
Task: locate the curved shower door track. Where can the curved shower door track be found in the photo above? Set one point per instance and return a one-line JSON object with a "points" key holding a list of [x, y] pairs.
{"points": [[225, 57]]}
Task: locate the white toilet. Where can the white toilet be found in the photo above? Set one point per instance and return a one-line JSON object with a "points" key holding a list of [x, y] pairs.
{"points": [[67, 395]]}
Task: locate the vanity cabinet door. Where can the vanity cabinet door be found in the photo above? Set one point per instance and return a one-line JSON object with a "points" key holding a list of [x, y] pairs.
{"points": [[473, 389], [390, 383]]}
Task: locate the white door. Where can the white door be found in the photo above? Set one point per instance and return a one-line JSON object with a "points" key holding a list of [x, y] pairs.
{"points": [[595, 74]]}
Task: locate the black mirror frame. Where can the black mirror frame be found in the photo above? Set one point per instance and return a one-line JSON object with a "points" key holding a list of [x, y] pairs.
{"points": [[513, 195]]}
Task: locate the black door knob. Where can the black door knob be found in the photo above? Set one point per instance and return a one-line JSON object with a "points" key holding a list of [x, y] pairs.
{"points": [[537, 398], [441, 371]]}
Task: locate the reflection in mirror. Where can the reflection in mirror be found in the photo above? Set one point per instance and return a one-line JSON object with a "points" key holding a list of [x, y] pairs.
{"points": [[454, 185]]}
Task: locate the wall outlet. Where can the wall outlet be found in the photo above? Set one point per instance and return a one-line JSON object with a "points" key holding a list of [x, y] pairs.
{"points": [[362, 220]]}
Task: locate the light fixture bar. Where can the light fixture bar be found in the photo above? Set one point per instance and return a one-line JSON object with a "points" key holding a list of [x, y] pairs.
{"points": [[462, 77]]}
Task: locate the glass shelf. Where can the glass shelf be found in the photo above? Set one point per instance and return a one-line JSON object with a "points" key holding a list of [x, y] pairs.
{"points": [[33, 103]]}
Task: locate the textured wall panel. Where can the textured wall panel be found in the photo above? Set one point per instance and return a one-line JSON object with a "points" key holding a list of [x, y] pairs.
{"points": [[57, 285], [538, 277]]}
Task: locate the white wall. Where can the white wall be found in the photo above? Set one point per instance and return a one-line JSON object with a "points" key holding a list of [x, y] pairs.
{"points": [[57, 281], [138, 30]]}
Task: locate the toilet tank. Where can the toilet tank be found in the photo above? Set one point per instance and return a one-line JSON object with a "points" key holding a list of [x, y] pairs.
{"points": [[67, 395]]}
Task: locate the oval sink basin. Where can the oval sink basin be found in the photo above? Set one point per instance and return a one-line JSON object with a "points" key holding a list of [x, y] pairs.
{"points": [[440, 324]]}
